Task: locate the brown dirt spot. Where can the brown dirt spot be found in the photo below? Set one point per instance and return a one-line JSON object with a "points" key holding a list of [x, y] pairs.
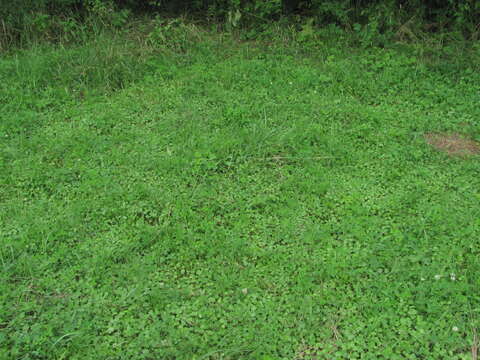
{"points": [[453, 144]]}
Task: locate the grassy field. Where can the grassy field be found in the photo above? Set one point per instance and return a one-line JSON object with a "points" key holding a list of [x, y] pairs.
{"points": [[218, 199]]}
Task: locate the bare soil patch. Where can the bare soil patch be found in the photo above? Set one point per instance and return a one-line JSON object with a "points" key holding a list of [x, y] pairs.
{"points": [[453, 144]]}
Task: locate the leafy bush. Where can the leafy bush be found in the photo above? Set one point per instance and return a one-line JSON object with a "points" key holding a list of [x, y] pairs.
{"points": [[371, 19]]}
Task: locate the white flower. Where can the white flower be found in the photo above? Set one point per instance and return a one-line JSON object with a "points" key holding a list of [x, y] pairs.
{"points": [[455, 328], [423, 279], [438, 277], [290, 83], [453, 277]]}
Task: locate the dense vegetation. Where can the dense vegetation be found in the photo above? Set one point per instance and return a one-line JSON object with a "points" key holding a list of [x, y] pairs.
{"points": [[223, 186], [23, 19]]}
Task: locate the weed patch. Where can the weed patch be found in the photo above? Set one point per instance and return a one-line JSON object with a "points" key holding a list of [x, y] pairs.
{"points": [[202, 198]]}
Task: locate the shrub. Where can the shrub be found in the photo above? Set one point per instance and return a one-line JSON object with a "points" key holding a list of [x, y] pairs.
{"points": [[25, 19]]}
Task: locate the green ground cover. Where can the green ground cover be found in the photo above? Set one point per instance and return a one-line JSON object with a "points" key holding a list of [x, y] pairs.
{"points": [[237, 200]]}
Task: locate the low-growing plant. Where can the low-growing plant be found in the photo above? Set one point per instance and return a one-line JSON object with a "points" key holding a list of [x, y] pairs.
{"points": [[207, 197]]}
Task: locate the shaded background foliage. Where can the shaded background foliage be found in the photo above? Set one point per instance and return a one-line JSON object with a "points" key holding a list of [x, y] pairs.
{"points": [[20, 17]]}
